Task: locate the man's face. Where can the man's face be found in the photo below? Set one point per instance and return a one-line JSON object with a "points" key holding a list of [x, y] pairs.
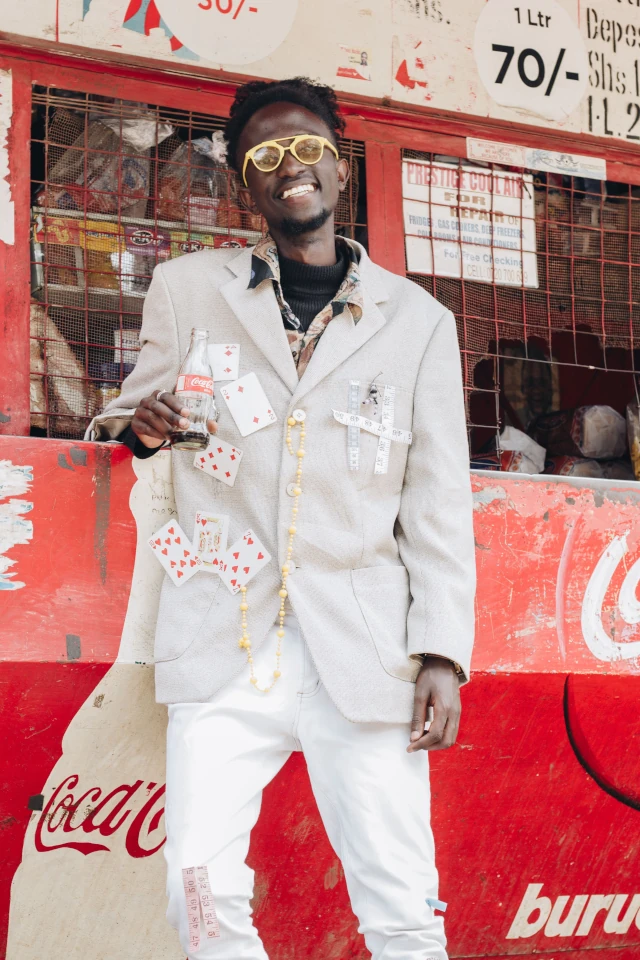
{"points": [[287, 212]]}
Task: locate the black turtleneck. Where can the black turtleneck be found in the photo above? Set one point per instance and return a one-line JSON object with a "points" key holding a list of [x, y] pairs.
{"points": [[307, 289]]}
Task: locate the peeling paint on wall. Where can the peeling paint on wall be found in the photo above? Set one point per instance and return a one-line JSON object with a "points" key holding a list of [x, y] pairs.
{"points": [[14, 529], [7, 212]]}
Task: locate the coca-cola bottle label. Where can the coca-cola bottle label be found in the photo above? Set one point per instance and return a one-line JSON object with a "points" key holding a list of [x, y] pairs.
{"points": [[191, 383]]}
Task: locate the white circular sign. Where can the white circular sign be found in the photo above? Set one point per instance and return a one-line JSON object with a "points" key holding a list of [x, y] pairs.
{"points": [[531, 57], [229, 31]]}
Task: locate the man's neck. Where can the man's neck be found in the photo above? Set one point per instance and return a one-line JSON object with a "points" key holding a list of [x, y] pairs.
{"points": [[316, 249]]}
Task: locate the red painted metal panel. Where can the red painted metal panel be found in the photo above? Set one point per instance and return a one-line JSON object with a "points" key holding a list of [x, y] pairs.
{"points": [[539, 800], [384, 207], [14, 266]]}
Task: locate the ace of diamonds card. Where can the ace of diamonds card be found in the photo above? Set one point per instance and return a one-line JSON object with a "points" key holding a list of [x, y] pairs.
{"points": [[173, 549]]}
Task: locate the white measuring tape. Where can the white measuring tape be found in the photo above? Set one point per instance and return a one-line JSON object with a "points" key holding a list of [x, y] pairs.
{"points": [[353, 431], [384, 444], [197, 891], [384, 430]]}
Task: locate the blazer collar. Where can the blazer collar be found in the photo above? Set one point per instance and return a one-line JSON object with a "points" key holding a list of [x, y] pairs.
{"points": [[258, 312]]}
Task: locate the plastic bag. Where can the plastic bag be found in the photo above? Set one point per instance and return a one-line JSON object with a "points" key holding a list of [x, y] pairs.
{"points": [[193, 184], [140, 133], [595, 432], [97, 172], [515, 440]]}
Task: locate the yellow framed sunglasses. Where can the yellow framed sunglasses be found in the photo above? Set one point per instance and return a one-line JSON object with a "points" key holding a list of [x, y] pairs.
{"points": [[308, 148]]}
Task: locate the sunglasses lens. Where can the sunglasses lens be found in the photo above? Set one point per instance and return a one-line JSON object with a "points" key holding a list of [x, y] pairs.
{"points": [[267, 158], [309, 150]]}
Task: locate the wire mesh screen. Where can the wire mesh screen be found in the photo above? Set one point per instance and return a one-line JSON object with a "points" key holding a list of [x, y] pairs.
{"points": [[545, 285], [117, 187]]}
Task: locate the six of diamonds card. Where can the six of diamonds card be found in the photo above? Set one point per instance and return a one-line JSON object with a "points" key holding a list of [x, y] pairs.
{"points": [[174, 551], [242, 561]]}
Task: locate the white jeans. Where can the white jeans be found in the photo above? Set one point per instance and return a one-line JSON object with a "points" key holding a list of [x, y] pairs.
{"points": [[373, 798]]}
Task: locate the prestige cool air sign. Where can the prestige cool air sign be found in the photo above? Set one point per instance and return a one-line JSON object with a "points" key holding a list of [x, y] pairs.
{"points": [[470, 222]]}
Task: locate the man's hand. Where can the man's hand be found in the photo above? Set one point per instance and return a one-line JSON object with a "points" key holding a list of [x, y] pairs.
{"points": [[155, 420], [437, 686]]}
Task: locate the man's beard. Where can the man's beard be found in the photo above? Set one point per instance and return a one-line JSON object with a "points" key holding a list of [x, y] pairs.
{"points": [[296, 228]]}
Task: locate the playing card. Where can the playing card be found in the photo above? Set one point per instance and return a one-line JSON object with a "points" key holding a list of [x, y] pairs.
{"points": [[242, 561], [225, 360], [248, 404], [220, 459], [174, 551], [210, 538]]}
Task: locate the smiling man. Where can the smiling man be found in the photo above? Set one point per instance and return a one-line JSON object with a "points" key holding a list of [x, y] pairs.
{"points": [[360, 628]]}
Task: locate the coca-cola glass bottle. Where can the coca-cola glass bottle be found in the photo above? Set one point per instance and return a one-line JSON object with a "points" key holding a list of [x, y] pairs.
{"points": [[194, 389]]}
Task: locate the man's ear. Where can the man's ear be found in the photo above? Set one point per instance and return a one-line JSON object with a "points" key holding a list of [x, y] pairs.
{"points": [[344, 172], [246, 200]]}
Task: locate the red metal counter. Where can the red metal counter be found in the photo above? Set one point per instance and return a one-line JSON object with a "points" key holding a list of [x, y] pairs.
{"points": [[535, 810]]}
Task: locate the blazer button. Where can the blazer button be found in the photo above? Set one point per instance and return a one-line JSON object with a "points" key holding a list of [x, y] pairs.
{"points": [[291, 489]]}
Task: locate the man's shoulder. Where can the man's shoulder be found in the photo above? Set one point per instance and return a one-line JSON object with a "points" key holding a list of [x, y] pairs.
{"points": [[407, 293], [210, 263]]}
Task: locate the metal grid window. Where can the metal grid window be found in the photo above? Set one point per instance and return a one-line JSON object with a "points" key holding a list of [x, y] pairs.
{"points": [[569, 338], [118, 187]]}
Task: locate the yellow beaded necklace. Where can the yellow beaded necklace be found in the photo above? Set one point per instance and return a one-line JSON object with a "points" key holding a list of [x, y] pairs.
{"points": [[244, 643]]}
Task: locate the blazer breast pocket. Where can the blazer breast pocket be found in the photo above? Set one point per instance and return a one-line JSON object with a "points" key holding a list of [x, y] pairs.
{"points": [[384, 438]]}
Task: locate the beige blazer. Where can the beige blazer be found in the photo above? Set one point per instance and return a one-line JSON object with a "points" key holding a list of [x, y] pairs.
{"points": [[384, 564]]}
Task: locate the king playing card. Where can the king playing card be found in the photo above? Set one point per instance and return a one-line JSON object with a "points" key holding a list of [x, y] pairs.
{"points": [[210, 538], [248, 404], [242, 561], [174, 551]]}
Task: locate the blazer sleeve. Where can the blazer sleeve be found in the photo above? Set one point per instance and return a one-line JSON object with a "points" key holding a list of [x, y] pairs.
{"points": [[157, 366], [435, 521]]}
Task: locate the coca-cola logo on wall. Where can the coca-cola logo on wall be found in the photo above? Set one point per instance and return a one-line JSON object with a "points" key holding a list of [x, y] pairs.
{"points": [[132, 811]]}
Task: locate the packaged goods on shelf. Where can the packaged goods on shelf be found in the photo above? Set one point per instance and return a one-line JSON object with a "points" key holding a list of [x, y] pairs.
{"points": [[596, 432], [107, 388], [69, 393], [616, 469], [105, 170], [633, 435], [573, 467], [509, 461]]}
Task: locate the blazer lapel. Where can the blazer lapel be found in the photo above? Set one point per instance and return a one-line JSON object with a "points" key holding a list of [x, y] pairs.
{"points": [[258, 312], [343, 337]]}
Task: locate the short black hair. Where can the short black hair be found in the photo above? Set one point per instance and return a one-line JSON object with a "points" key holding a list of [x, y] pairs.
{"points": [[253, 96]]}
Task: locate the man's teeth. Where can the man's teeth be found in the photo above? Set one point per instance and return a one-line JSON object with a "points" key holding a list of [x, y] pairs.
{"points": [[295, 191]]}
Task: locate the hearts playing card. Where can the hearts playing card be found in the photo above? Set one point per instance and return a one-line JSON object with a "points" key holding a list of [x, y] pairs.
{"points": [[242, 561], [248, 404], [225, 360], [220, 459], [174, 551], [210, 538]]}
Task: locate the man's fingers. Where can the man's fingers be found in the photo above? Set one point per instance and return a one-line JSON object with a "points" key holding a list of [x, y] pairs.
{"points": [[212, 426], [443, 730], [171, 416], [171, 401], [420, 709]]}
